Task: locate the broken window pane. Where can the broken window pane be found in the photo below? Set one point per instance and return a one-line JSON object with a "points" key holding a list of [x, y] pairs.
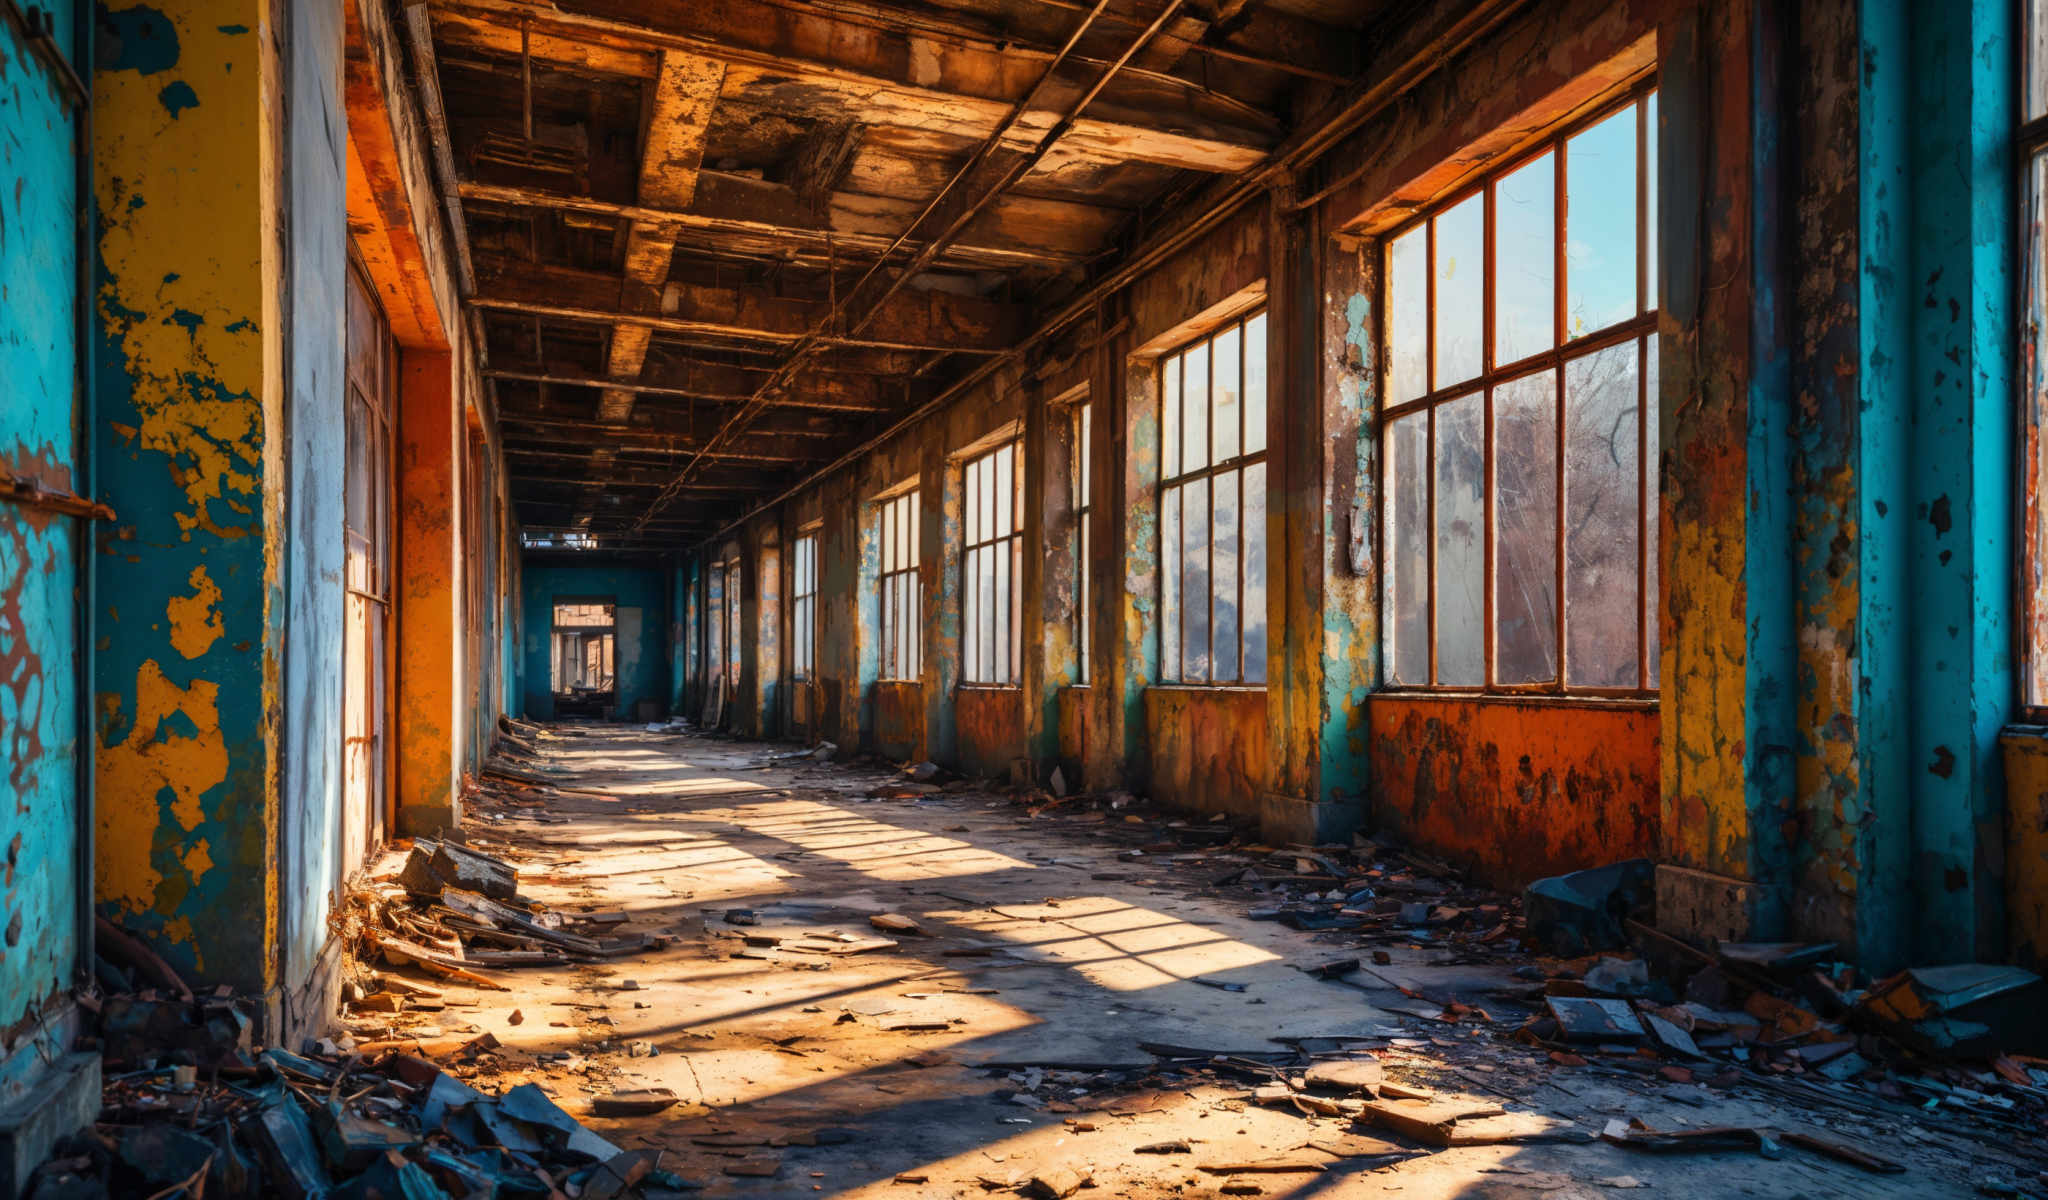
{"points": [[1460, 459], [1525, 529], [1602, 492]]}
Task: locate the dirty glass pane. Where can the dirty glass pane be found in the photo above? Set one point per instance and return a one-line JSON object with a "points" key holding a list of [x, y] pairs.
{"points": [[1407, 315], [1194, 409], [1405, 602], [1460, 304], [1525, 529], [1600, 225], [1652, 470], [1650, 201], [2035, 50], [1255, 384], [971, 504], [1169, 418], [1253, 615], [1525, 261], [1005, 486], [1460, 461], [1194, 581], [1601, 493], [1169, 584], [1224, 581], [996, 640], [1227, 419]]}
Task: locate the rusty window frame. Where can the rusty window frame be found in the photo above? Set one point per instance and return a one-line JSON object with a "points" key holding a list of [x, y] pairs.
{"points": [[1564, 350], [2030, 158], [992, 552], [1236, 472], [901, 598], [803, 607], [1083, 505]]}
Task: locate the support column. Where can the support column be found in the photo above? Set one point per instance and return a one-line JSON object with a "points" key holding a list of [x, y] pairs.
{"points": [[192, 436], [429, 590]]}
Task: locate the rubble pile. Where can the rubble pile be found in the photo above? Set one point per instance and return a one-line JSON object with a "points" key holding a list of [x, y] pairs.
{"points": [[345, 1126]]}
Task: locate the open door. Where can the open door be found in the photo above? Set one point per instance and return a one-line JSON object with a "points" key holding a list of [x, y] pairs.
{"points": [[366, 664]]}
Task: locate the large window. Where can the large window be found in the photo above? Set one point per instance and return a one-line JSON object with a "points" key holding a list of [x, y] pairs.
{"points": [[900, 608], [1212, 507], [803, 609], [993, 553], [1084, 503], [1520, 423]]}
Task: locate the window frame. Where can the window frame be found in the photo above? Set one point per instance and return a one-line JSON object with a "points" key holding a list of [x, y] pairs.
{"points": [[982, 511], [2030, 518], [897, 529], [1172, 665], [1082, 505], [803, 607], [1554, 360]]}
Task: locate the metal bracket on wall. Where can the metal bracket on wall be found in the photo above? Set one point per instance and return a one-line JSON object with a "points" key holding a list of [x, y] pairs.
{"points": [[24, 491], [39, 30]]}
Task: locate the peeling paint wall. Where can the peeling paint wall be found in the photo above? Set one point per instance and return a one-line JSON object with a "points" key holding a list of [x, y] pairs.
{"points": [[990, 725], [899, 731], [1516, 791], [191, 401], [1209, 748], [40, 640]]}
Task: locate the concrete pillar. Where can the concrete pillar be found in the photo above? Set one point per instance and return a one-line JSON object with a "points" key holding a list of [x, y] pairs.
{"points": [[429, 589], [192, 440]]}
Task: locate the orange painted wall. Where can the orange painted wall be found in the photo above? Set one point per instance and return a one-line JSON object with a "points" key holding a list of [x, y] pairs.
{"points": [[1516, 790], [1208, 748], [899, 720], [989, 723], [2026, 845], [427, 585]]}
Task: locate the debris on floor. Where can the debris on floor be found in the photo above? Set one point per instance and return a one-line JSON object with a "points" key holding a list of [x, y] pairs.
{"points": [[302, 1126]]}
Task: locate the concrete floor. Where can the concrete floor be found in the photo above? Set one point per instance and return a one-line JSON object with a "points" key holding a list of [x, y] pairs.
{"points": [[1078, 958]]}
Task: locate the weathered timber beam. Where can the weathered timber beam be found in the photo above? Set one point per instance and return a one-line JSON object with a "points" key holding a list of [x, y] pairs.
{"points": [[1016, 231], [807, 61], [817, 393], [910, 320]]}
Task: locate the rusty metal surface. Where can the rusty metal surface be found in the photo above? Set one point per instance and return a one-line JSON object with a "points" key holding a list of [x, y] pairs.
{"points": [[1516, 790], [1208, 748], [989, 722]]}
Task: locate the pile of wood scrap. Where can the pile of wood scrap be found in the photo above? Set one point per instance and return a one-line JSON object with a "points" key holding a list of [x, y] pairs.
{"points": [[454, 912]]}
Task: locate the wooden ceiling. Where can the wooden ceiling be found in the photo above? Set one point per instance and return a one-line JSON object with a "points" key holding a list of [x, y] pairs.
{"points": [[715, 244]]}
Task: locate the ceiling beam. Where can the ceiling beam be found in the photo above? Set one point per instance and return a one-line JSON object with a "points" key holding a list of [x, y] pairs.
{"points": [[914, 320], [1016, 231], [950, 85], [820, 393]]}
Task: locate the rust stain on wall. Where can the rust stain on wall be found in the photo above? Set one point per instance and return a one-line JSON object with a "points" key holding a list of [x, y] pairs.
{"points": [[1208, 748], [990, 725], [1516, 791]]}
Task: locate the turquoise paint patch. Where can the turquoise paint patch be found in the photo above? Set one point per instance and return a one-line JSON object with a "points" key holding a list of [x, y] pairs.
{"points": [[139, 39], [178, 97]]}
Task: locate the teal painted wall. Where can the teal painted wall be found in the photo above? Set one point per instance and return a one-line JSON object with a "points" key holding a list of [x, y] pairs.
{"points": [[39, 639], [642, 662]]}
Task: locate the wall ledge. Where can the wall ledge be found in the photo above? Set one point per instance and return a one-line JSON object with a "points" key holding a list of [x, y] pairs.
{"points": [[1544, 699]]}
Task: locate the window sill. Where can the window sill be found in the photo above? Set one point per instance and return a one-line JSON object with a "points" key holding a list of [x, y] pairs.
{"points": [[989, 687], [1206, 688], [2023, 730], [1540, 699]]}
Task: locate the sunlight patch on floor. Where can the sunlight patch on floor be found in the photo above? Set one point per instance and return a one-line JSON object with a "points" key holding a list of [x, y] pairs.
{"points": [[1114, 944]]}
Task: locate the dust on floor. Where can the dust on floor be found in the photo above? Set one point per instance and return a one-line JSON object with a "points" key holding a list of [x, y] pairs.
{"points": [[1057, 1013]]}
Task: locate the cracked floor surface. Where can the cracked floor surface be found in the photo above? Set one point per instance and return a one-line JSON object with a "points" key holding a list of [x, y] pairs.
{"points": [[1006, 1039]]}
